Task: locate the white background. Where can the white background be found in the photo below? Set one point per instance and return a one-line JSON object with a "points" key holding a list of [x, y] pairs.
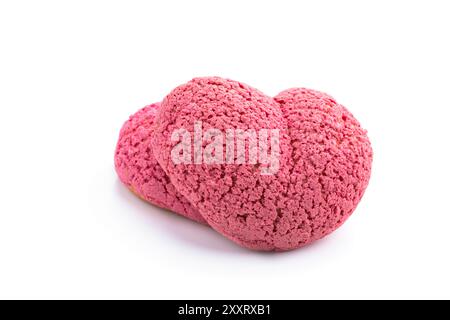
{"points": [[71, 72]]}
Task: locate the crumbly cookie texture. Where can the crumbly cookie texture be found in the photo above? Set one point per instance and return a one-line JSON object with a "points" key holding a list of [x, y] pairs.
{"points": [[325, 162], [138, 169]]}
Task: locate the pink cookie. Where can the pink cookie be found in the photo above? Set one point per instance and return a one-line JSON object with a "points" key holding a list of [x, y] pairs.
{"points": [[138, 170], [319, 176]]}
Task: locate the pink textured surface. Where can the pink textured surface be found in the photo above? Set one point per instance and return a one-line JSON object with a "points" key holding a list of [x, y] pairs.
{"points": [[325, 162], [140, 172]]}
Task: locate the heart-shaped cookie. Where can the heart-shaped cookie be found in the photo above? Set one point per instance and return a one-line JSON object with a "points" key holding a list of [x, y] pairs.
{"points": [[138, 169], [319, 173]]}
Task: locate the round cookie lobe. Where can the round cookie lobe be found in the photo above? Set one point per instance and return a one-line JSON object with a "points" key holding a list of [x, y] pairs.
{"points": [[138, 169], [331, 160]]}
